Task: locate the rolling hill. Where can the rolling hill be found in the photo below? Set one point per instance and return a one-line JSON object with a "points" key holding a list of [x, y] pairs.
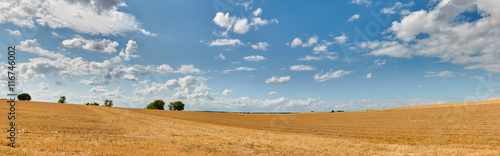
{"points": [[43, 128]]}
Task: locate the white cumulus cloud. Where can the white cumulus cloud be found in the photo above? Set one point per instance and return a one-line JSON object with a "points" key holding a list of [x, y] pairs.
{"points": [[353, 17], [260, 46], [254, 58], [104, 45], [91, 17], [227, 92], [225, 42], [320, 77], [301, 67], [278, 79], [14, 32]]}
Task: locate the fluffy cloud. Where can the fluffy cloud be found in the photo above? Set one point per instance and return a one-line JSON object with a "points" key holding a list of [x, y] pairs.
{"points": [[320, 48], [131, 48], [325, 55], [32, 47], [43, 86], [98, 89], [192, 88], [272, 93], [369, 75], [397, 6], [475, 46], [166, 68], [257, 12], [62, 66], [239, 69], [92, 17], [225, 42], [104, 45], [14, 32], [341, 39], [353, 17], [240, 25], [311, 41], [254, 58], [298, 42], [320, 77], [389, 48], [227, 92], [93, 81], [72, 43], [310, 58], [301, 67], [188, 87], [244, 69], [185, 69], [361, 2], [260, 46], [440, 74], [248, 104], [278, 79], [223, 20]]}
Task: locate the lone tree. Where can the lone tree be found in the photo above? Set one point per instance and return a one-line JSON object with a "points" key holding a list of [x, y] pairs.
{"points": [[157, 104], [62, 99], [177, 105], [108, 103], [24, 96]]}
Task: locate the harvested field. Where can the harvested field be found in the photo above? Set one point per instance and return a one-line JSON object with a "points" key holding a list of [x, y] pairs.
{"points": [[65, 129]]}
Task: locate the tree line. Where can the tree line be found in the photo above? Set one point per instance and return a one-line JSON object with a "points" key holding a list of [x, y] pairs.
{"points": [[157, 104]]}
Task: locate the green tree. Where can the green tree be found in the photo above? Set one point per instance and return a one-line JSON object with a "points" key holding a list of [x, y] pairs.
{"points": [[177, 105], [24, 96], [92, 104], [157, 104], [108, 103], [62, 99]]}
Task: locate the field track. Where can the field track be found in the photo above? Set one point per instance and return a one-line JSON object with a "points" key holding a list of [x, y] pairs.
{"points": [[65, 129]]}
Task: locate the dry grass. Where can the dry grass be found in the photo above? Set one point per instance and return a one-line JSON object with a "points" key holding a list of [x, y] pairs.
{"points": [[66, 129]]}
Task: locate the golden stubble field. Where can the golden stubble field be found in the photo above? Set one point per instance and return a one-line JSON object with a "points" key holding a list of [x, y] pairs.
{"points": [[66, 129]]}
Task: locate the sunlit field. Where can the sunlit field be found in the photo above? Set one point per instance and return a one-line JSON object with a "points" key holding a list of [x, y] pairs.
{"points": [[66, 129]]}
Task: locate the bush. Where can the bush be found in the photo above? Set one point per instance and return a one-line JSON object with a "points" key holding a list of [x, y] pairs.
{"points": [[108, 103], [92, 104], [62, 99], [24, 96], [177, 105], [157, 104]]}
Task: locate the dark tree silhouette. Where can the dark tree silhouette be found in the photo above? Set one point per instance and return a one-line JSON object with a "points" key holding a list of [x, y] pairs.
{"points": [[108, 103], [24, 96], [177, 105], [62, 99], [157, 104]]}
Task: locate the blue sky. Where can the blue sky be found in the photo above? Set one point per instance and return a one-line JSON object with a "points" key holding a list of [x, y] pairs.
{"points": [[238, 55]]}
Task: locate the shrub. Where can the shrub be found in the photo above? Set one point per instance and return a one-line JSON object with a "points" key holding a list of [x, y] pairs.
{"points": [[157, 104], [24, 96], [92, 104], [177, 105], [62, 99]]}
